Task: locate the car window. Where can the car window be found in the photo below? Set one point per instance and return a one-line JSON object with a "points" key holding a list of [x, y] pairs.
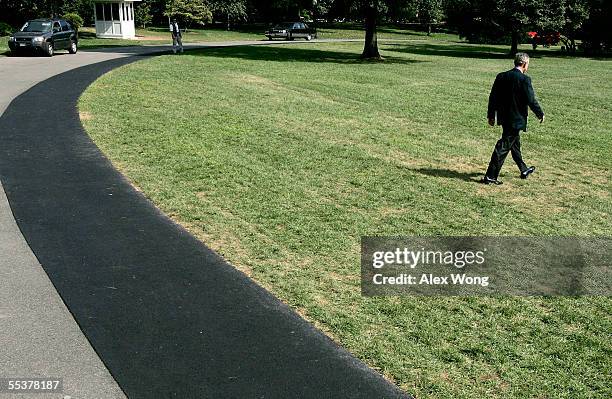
{"points": [[65, 26], [302, 26], [36, 26], [56, 25]]}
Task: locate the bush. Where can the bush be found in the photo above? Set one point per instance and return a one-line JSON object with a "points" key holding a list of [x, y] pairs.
{"points": [[6, 29], [74, 19]]}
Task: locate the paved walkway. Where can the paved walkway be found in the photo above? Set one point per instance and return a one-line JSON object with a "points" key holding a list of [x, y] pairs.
{"points": [[38, 335], [112, 283]]}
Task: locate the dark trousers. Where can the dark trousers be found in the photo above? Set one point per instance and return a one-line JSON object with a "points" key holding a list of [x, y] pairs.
{"points": [[510, 142]]}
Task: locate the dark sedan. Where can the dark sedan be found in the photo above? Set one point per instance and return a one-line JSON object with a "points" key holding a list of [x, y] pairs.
{"points": [[291, 30], [46, 36]]}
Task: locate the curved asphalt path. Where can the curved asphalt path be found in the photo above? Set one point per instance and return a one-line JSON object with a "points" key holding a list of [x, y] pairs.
{"points": [[167, 316]]}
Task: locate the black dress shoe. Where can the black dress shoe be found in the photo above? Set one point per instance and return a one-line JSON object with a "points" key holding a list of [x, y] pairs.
{"points": [[488, 180], [527, 172]]}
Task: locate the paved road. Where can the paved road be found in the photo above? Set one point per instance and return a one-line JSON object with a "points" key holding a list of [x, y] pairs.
{"points": [[38, 335], [166, 315]]}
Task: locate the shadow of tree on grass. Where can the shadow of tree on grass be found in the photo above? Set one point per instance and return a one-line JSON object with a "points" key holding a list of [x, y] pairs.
{"points": [[467, 50], [289, 53], [448, 50]]}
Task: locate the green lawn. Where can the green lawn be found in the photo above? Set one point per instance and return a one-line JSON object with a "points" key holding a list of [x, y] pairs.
{"points": [[282, 158]]}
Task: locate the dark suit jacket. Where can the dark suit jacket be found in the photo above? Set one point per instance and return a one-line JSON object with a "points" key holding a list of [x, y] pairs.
{"points": [[510, 96]]}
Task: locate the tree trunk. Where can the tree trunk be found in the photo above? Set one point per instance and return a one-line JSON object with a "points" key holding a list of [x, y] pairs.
{"points": [[515, 39], [370, 48], [428, 29], [572, 45]]}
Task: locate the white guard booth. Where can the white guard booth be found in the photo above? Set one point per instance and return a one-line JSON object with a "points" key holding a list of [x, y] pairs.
{"points": [[115, 19]]}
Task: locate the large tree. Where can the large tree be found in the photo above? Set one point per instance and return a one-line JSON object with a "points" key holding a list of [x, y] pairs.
{"points": [[370, 9], [576, 13], [429, 12], [229, 9], [84, 8], [501, 20], [596, 30], [189, 12], [142, 14], [16, 12]]}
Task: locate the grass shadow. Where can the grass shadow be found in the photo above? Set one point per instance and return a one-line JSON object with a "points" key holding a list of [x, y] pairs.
{"points": [[288, 53], [480, 51], [87, 35], [449, 50], [472, 177], [401, 31], [111, 46]]}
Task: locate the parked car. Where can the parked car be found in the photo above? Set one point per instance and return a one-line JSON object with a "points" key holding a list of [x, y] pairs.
{"points": [[292, 30], [45, 36], [545, 39]]}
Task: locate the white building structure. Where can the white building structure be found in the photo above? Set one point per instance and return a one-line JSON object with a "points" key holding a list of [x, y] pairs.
{"points": [[115, 19]]}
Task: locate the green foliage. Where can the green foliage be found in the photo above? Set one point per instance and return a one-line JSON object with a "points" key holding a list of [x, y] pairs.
{"points": [[321, 8], [84, 8], [429, 11], [499, 20], [75, 20], [576, 13], [496, 21], [403, 11], [142, 14], [229, 9], [189, 12], [306, 15], [6, 29]]}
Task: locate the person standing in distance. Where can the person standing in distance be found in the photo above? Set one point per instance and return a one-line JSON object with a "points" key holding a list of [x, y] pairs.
{"points": [[177, 42], [510, 96]]}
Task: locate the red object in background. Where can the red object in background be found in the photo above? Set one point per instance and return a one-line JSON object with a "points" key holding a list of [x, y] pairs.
{"points": [[544, 39]]}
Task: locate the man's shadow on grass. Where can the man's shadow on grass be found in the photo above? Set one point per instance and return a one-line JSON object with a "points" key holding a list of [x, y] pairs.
{"points": [[290, 53], [451, 174]]}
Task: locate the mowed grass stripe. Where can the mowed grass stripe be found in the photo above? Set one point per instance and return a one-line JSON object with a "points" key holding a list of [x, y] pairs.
{"points": [[282, 158]]}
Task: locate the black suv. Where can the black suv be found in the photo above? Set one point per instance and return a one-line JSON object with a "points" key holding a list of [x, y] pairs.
{"points": [[46, 36]]}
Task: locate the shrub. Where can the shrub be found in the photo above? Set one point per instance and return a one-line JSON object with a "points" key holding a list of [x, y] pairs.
{"points": [[74, 19], [5, 29]]}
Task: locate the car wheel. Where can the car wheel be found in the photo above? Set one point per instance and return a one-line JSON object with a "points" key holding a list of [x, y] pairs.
{"points": [[50, 50], [308, 37], [73, 47]]}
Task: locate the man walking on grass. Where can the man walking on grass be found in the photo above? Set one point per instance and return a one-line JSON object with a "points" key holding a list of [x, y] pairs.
{"points": [[510, 96], [177, 42]]}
